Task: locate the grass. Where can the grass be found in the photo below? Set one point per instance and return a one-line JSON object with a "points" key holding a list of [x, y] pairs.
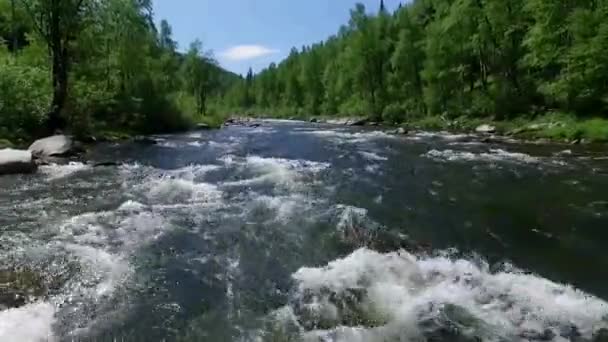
{"points": [[5, 143], [212, 120]]}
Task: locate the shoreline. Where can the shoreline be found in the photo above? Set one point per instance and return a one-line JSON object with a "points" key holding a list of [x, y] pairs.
{"points": [[551, 128]]}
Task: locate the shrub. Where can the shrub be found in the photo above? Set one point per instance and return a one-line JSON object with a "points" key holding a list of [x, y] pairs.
{"points": [[25, 95]]}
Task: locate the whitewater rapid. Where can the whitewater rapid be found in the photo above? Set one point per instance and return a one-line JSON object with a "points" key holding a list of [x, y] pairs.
{"points": [[258, 223]]}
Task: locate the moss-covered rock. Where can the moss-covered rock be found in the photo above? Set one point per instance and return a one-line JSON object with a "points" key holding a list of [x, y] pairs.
{"points": [[20, 287]]}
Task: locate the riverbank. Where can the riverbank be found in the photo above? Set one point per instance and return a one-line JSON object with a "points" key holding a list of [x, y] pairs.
{"points": [[550, 127], [553, 127]]}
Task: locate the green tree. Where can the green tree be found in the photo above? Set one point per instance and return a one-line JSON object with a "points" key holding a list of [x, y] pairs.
{"points": [[58, 22], [198, 76]]}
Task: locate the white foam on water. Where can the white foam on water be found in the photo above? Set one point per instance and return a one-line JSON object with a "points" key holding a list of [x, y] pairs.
{"points": [[131, 206], [285, 207], [195, 135], [191, 172], [261, 130], [168, 144], [30, 323], [442, 135], [372, 156], [493, 155], [283, 172], [55, 171], [466, 143], [103, 271], [372, 168], [281, 120], [135, 230], [397, 292], [168, 190], [341, 136], [196, 144]]}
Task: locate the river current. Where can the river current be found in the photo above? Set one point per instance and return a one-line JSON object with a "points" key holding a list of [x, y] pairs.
{"points": [[308, 232]]}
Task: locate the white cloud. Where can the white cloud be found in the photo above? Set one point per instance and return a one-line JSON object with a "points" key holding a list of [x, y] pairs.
{"points": [[245, 52]]}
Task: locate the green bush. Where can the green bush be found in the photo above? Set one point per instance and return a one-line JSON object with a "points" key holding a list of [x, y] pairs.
{"points": [[25, 95], [432, 122]]}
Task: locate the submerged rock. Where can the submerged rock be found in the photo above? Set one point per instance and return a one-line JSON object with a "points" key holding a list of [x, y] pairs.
{"points": [[55, 146], [106, 163], [601, 335], [145, 140], [20, 287], [16, 161], [485, 129]]}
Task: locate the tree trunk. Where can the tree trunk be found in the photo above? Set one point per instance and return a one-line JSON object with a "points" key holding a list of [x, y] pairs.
{"points": [[14, 28], [59, 70], [60, 86]]}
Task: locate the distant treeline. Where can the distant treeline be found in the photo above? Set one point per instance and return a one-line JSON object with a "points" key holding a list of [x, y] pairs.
{"points": [[451, 58]]}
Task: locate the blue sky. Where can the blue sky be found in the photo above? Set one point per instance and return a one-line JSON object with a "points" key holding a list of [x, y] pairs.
{"points": [[244, 33]]}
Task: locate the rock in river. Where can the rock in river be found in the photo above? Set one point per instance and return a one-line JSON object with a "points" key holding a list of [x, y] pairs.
{"points": [[485, 129], [54, 146], [16, 161], [202, 126], [19, 287]]}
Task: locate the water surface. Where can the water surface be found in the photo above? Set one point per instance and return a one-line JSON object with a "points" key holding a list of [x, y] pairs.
{"points": [[292, 231]]}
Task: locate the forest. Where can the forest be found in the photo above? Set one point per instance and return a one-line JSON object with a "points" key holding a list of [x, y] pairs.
{"points": [[106, 67], [448, 62], [100, 67]]}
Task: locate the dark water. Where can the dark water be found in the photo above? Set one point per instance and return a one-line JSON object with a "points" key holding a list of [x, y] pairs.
{"points": [[224, 235]]}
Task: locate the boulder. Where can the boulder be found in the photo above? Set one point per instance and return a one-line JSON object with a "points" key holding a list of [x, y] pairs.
{"points": [[202, 126], [401, 130], [485, 129], [314, 120], [358, 122], [339, 121], [601, 335], [16, 161], [54, 146]]}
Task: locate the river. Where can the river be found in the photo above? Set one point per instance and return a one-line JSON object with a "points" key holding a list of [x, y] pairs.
{"points": [[294, 231]]}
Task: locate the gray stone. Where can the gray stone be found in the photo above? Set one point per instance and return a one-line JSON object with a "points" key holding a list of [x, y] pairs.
{"points": [[359, 122], [54, 146], [202, 126], [601, 335], [485, 129], [401, 130], [16, 161]]}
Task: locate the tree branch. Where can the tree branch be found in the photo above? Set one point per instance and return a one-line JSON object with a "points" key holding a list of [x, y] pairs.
{"points": [[37, 22]]}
